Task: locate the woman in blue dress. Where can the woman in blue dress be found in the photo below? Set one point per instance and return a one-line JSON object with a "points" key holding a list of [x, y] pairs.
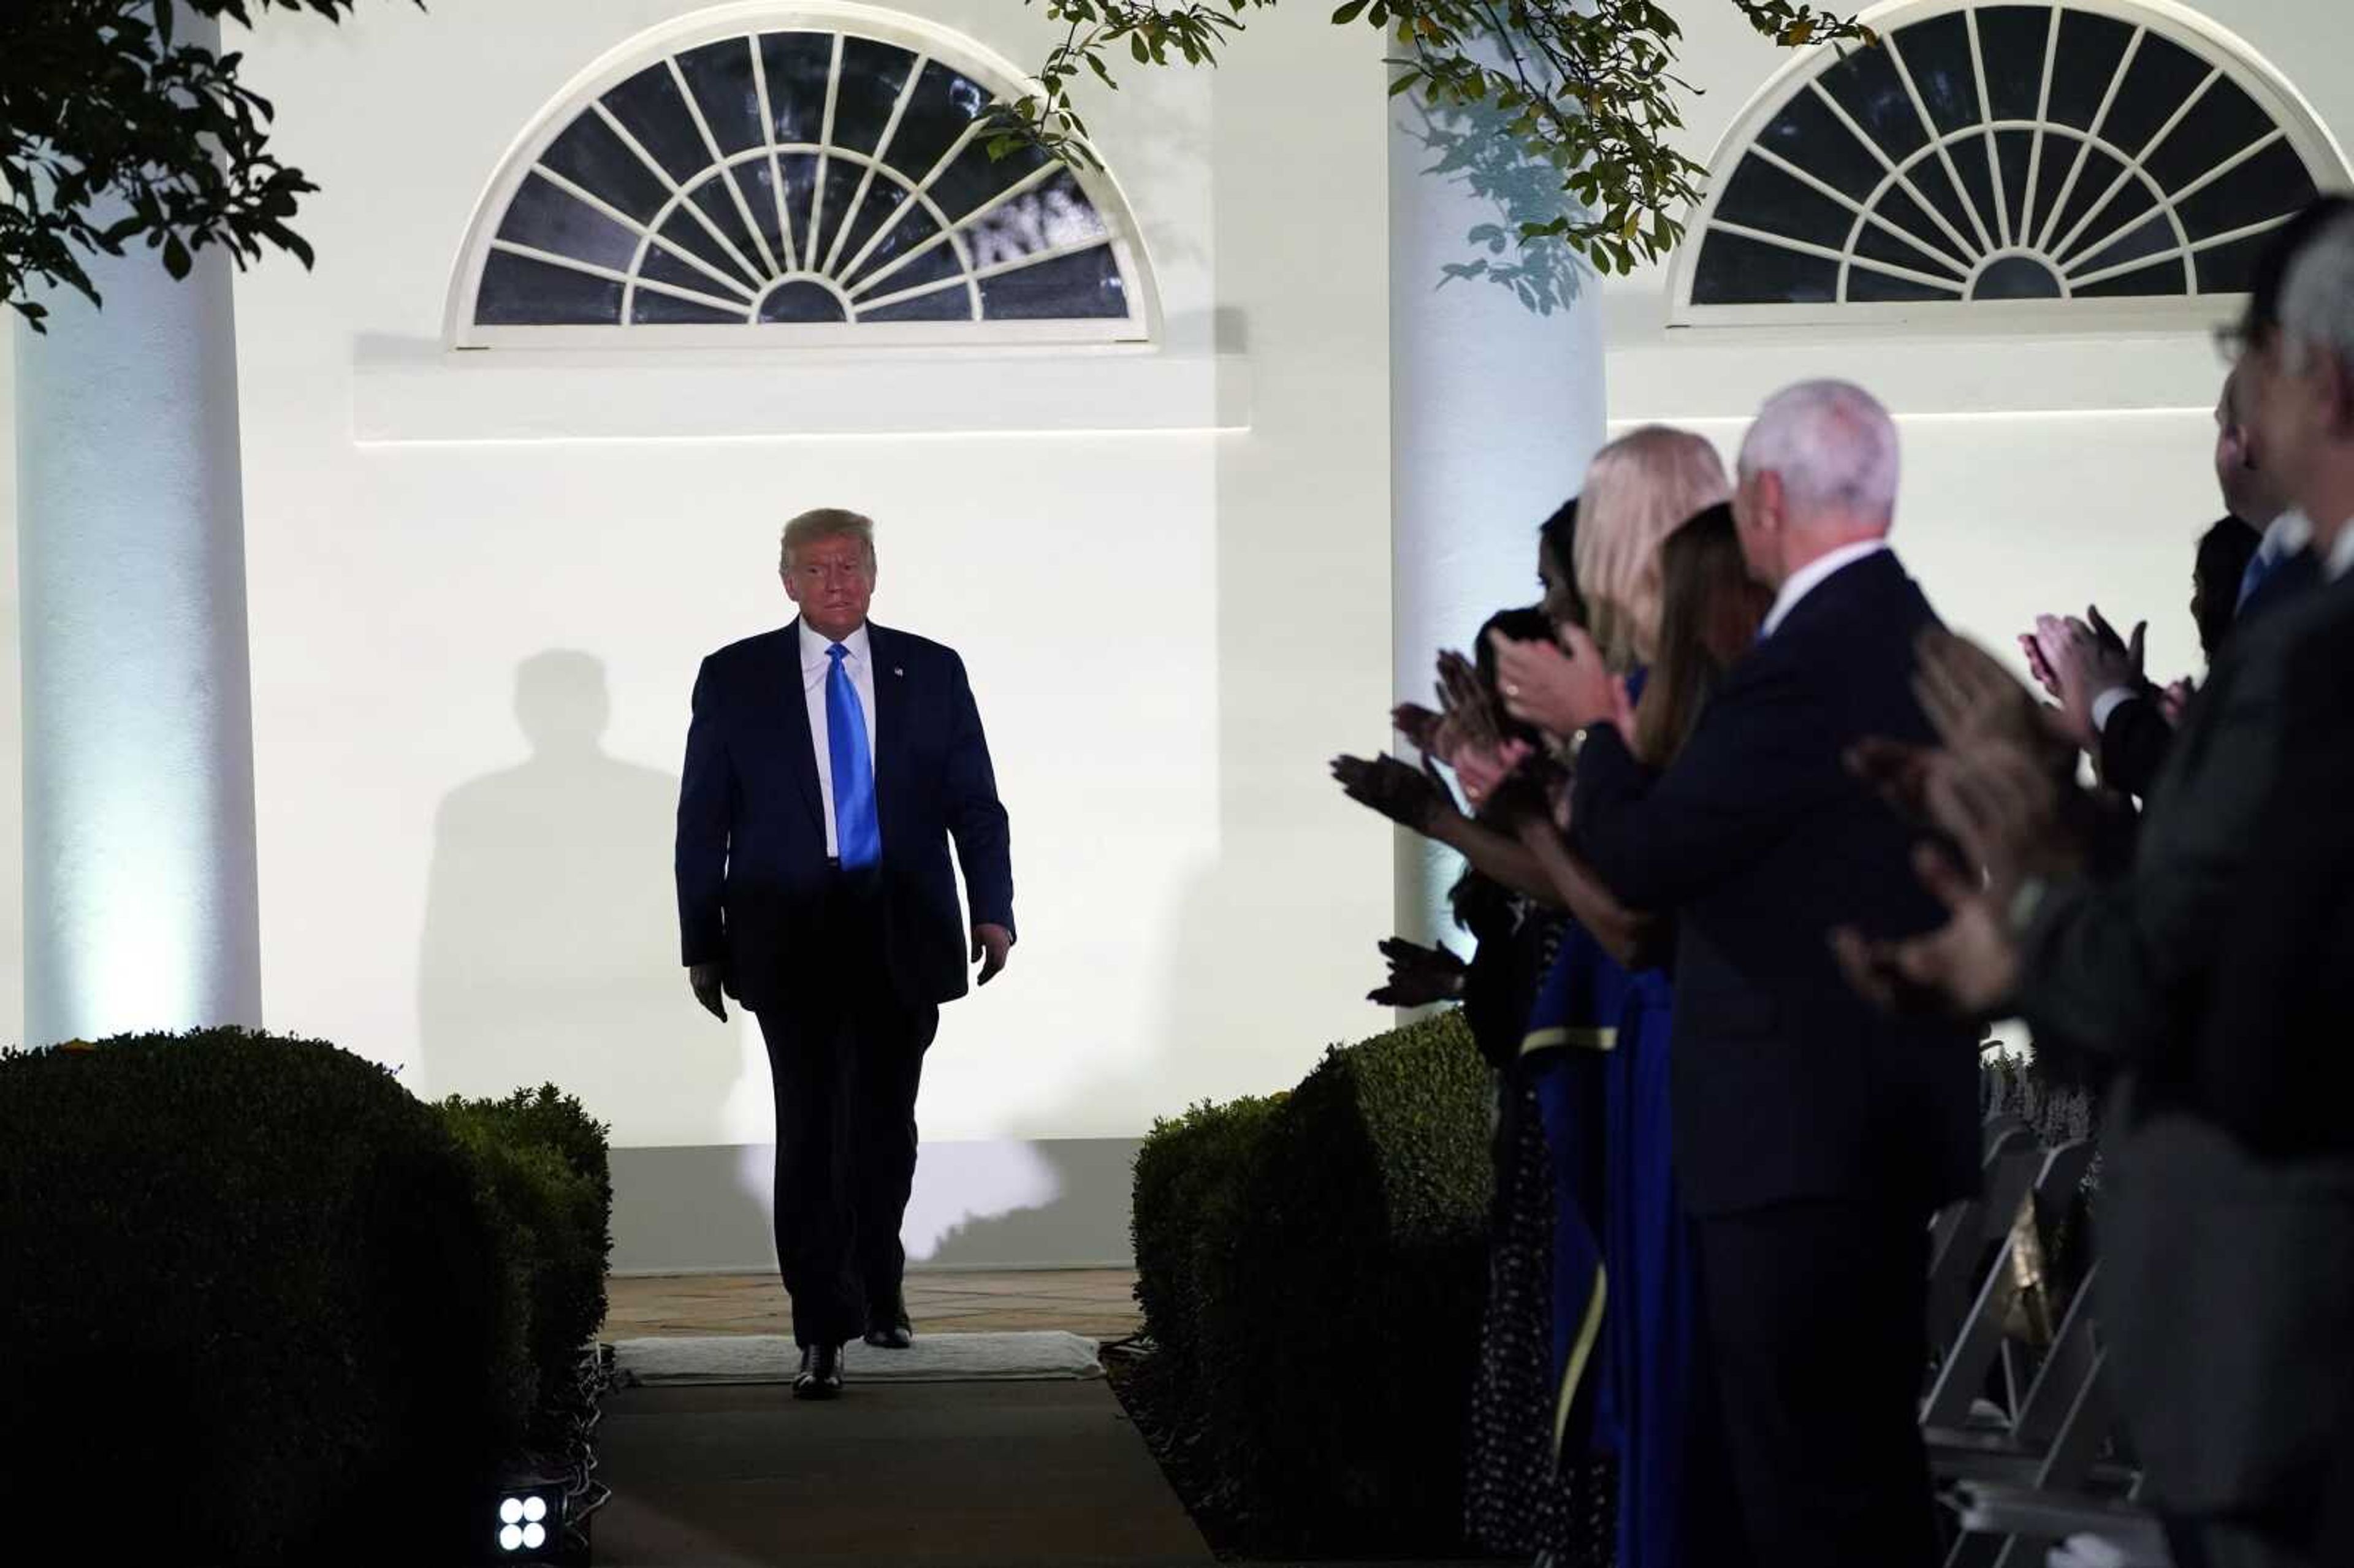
{"points": [[1597, 1044]]}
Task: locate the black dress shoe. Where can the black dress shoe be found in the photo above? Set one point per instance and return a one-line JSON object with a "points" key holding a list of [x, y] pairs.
{"points": [[820, 1373], [890, 1337], [887, 1328]]}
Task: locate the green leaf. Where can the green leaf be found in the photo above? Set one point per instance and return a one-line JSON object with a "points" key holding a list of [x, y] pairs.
{"points": [[1348, 13], [176, 260]]}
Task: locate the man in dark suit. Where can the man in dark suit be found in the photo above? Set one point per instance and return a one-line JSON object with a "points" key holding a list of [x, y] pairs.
{"points": [[1814, 1136], [828, 765], [2213, 974]]}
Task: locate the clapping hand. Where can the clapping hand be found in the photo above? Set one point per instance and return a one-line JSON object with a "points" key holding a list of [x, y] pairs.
{"points": [[1419, 976], [1421, 727], [1411, 796], [1560, 687], [1470, 708]]}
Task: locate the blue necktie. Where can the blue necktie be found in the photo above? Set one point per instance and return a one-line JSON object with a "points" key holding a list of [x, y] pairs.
{"points": [[858, 836], [2260, 566]]}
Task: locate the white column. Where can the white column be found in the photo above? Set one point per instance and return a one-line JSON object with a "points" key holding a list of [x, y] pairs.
{"points": [[1495, 409], [139, 908]]}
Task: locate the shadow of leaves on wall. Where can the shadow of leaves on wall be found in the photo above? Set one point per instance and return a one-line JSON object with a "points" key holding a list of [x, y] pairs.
{"points": [[1472, 146]]}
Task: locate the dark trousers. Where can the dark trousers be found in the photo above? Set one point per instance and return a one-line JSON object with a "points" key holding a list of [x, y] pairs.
{"points": [[1807, 1413], [845, 1057]]}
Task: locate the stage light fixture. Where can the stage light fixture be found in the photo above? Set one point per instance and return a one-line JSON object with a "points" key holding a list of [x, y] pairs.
{"points": [[531, 1523]]}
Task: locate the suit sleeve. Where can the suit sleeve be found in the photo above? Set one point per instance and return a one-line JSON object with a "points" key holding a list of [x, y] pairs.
{"points": [[2134, 744], [976, 819], [705, 789], [2111, 965], [1658, 840]]}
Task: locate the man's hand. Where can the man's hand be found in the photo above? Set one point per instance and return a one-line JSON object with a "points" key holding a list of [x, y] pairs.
{"points": [[1969, 697], [991, 945], [1967, 968], [2175, 700], [1408, 796], [708, 981], [1419, 976], [1559, 690], [2087, 663], [2001, 805]]}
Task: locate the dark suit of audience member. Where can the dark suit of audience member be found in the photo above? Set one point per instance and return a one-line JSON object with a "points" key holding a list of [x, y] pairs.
{"points": [[846, 965], [1813, 1136], [2215, 973]]}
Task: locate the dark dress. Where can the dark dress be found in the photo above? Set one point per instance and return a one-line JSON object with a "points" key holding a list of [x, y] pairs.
{"points": [[1623, 1331]]}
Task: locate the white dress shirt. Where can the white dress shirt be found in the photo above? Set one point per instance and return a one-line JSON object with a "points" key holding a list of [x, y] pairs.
{"points": [[1812, 576], [817, 662]]}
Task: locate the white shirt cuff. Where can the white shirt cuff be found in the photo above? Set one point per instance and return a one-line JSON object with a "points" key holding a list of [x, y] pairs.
{"points": [[2108, 703]]}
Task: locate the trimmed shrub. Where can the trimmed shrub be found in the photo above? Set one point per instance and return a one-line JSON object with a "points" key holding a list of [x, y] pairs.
{"points": [[252, 1290], [1327, 1303], [545, 1175]]}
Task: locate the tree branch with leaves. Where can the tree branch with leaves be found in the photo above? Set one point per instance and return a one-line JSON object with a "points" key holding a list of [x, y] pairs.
{"points": [[115, 129], [1587, 87]]}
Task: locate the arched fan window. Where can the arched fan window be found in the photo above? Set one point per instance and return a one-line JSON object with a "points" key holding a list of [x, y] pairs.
{"points": [[806, 172], [2005, 153]]}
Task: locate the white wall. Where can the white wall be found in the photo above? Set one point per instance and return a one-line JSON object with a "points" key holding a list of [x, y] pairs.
{"points": [[1169, 632]]}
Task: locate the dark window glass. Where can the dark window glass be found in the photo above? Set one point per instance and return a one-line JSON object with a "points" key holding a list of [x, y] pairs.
{"points": [[1977, 178], [650, 108], [941, 261], [2090, 49], [2270, 184], [885, 197], [547, 218], [2163, 75], [519, 292], [842, 178], [973, 178], [2223, 120], [1866, 286], [940, 305], [1760, 195], [680, 232], [871, 76], [1735, 270], [663, 267], [1808, 134], [2018, 150], [2230, 269], [1928, 176], [1898, 208], [759, 179], [802, 301], [1937, 54], [1866, 86], [2166, 278], [2016, 278], [717, 201], [2092, 185], [720, 75], [590, 155], [2012, 40], [657, 309], [1086, 284], [2123, 215], [944, 105], [2146, 238], [797, 65], [1881, 245], [913, 226], [800, 181], [2060, 156]]}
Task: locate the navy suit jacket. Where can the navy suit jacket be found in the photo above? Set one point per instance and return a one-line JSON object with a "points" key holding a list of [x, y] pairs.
{"points": [[1785, 1084], [754, 884]]}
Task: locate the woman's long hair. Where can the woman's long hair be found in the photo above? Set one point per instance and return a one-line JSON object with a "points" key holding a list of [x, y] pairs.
{"points": [[1710, 609], [1638, 490]]}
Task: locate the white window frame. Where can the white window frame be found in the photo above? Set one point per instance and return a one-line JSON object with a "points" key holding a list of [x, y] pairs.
{"points": [[750, 18], [2232, 58]]}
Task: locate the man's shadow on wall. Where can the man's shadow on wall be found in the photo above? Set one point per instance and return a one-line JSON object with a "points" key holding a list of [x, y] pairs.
{"points": [[551, 939]]}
